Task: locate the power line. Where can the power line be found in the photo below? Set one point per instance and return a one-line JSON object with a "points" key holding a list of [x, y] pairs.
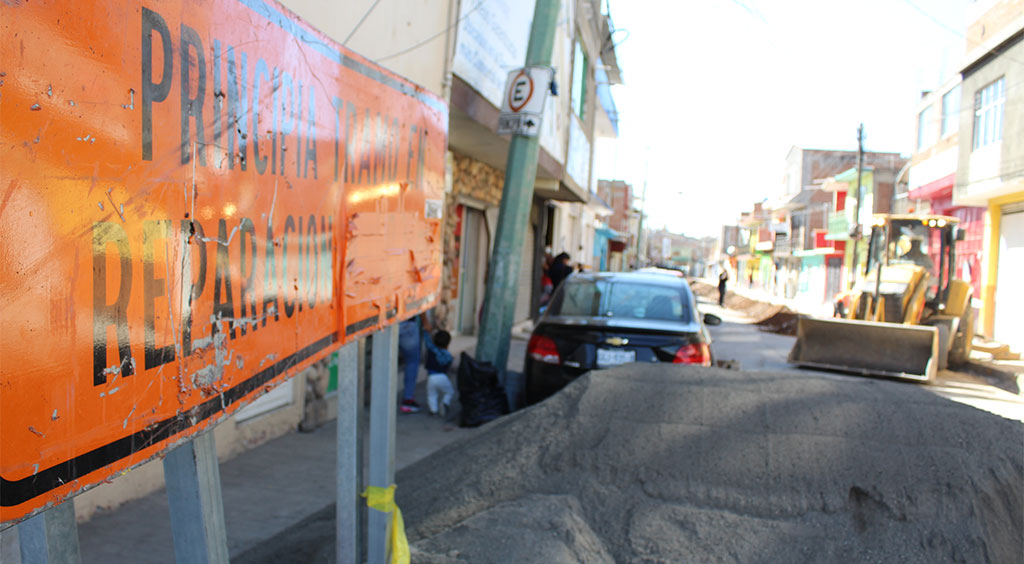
{"points": [[957, 32], [436, 35], [361, 20], [752, 11]]}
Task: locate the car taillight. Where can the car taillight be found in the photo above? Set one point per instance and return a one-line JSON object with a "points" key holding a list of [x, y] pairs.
{"points": [[694, 353], [543, 349]]}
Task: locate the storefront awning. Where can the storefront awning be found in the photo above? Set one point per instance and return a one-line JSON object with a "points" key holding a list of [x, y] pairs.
{"points": [[934, 189]]}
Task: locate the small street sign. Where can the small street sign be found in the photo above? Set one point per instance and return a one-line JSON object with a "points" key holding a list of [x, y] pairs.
{"points": [[525, 92], [519, 124]]}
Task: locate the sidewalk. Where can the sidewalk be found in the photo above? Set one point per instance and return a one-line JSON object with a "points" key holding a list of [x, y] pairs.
{"points": [[265, 490]]}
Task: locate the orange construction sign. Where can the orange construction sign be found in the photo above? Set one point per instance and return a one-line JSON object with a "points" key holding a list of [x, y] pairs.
{"points": [[197, 198]]}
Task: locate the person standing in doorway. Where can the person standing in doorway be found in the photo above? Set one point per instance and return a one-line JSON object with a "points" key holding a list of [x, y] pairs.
{"points": [[560, 270], [722, 279]]}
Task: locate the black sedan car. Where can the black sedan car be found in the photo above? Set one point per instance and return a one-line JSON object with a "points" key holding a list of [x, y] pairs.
{"points": [[610, 318]]}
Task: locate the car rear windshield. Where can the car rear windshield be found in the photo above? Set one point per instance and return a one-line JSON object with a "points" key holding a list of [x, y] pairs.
{"points": [[631, 300]]}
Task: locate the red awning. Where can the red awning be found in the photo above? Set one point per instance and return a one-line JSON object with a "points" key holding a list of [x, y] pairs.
{"points": [[934, 189]]}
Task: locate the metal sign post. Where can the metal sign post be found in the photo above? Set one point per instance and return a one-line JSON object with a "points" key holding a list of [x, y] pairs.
{"points": [[50, 537], [383, 413], [192, 475], [347, 486]]}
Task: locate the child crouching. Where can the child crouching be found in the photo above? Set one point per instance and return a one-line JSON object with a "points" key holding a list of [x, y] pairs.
{"points": [[437, 363]]}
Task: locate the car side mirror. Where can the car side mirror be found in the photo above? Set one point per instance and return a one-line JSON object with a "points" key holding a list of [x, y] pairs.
{"points": [[960, 234], [712, 319]]}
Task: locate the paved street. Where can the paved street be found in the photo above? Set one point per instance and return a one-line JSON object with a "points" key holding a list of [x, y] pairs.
{"points": [[737, 339]]}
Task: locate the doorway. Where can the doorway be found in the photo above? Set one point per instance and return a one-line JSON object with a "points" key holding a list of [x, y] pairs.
{"points": [[833, 277], [1009, 298], [473, 264]]}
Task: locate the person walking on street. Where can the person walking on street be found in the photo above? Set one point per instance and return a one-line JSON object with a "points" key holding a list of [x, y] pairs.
{"points": [[722, 279], [409, 348], [439, 360]]}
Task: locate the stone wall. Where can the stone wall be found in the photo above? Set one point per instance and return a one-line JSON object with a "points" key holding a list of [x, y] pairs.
{"points": [[477, 180]]}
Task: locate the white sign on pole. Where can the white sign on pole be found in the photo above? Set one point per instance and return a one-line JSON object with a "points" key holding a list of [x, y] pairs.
{"points": [[523, 103]]}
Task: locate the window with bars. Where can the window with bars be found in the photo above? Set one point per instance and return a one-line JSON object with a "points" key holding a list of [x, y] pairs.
{"points": [[988, 114]]}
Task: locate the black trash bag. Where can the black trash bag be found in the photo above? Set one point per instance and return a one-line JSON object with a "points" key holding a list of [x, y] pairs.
{"points": [[481, 395]]}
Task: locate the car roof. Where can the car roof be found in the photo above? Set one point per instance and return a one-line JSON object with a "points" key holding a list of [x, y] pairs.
{"points": [[665, 271], [652, 278]]}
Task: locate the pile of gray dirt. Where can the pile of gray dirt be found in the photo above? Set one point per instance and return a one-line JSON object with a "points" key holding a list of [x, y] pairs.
{"points": [[658, 463], [768, 317]]}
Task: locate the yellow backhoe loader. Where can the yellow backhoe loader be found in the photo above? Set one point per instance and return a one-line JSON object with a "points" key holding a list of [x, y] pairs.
{"points": [[907, 316]]}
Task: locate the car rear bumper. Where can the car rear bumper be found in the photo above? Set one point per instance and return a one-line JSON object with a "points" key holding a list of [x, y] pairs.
{"points": [[543, 380]]}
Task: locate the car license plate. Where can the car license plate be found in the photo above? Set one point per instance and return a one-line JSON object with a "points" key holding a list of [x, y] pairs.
{"points": [[614, 357]]}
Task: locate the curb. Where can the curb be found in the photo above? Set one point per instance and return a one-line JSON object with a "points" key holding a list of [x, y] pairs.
{"points": [[1006, 376]]}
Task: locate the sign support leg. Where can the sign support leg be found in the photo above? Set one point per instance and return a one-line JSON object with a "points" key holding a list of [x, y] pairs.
{"points": [[192, 475], [50, 537], [347, 477], [383, 411]]}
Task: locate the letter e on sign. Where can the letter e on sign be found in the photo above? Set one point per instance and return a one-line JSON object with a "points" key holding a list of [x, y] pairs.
{"points": [[521, 91], [526, 89]]}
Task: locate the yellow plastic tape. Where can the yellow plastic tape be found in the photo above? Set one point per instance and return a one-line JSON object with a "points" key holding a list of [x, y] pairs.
{"points": [[383, 500]]}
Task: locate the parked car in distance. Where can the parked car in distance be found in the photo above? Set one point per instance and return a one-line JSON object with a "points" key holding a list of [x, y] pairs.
{"points": [[610, 318]]}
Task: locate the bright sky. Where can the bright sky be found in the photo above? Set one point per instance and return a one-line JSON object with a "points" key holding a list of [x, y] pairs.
{"points": [[719, 90]]}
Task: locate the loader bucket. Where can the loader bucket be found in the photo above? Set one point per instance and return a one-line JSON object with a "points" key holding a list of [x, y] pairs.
{"points": [[867, 348]]}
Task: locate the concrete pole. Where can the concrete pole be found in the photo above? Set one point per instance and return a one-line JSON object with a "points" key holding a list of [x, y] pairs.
{"points": [[513, 215], [860, 196]]}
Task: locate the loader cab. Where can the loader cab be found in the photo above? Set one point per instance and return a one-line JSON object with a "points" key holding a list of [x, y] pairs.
{"points": [[927, 242]]}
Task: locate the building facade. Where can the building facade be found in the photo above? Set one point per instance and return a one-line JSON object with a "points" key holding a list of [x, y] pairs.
{"points": [[990, 158], [932, 174], [798, 240]]}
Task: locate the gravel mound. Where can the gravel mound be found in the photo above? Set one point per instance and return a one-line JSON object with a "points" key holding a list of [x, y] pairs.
{"points": [[769, 317], [534, 528], [652, 463], [784, 322]]}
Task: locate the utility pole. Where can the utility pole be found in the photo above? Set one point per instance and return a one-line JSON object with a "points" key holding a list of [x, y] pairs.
{"points": [[643, 203], [860, 196], [513, 215]]}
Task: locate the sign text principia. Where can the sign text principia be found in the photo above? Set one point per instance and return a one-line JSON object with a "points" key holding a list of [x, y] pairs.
{"points": [[198, 197]]}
